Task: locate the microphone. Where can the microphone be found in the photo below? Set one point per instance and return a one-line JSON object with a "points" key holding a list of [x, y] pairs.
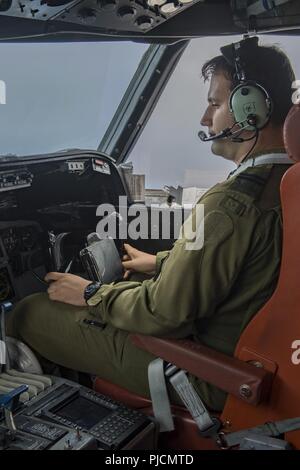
{"points": [[224, 133]]}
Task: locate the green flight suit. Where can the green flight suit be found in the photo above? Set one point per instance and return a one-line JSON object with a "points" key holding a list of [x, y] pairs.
{"points": [[208, 294]]}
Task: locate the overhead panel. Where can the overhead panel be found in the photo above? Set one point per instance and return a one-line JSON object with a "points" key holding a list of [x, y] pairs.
{"points": [[121, 15], [262, 15]]}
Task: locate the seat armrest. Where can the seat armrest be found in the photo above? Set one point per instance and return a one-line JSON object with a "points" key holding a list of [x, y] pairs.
{"points": [[241, 379]]}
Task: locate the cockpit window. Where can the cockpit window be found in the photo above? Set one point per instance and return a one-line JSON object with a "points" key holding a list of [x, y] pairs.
{"points": [[61, 95], [169, 152]]}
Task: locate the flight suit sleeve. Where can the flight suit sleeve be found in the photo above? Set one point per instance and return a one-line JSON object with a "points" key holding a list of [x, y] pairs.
{"points": [[160, 257], [191, 280]]}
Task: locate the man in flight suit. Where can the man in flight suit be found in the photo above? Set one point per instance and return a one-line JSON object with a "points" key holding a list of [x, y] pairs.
{"points": [[209, 293]]}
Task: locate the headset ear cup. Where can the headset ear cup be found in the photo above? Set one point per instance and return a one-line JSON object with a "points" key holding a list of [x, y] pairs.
{"points": [[250, 100]]}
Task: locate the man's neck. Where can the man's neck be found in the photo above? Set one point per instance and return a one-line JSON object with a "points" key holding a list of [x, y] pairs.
{"points": [[259, 153], [270, 140]]}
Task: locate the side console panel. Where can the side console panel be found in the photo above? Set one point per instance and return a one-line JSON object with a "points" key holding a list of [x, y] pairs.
{"points": [[67, 416]]}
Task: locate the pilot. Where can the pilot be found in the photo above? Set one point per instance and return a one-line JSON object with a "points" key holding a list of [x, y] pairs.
{"points": [[210, 292]]}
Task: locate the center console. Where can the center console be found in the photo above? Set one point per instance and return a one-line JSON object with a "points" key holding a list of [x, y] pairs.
{"points": [[68, 416]]}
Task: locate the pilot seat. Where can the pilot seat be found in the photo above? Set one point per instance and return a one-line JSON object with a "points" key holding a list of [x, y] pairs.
{"points": [[262, 379]]}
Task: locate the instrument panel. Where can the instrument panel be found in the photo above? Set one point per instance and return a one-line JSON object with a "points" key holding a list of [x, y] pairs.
{"points": [[19, 238], [6, 288], [22, 260], [68, 416], [31, 210]]}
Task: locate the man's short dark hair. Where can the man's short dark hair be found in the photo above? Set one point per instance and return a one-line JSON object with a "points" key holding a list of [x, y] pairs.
{"points": [[269, 67]]}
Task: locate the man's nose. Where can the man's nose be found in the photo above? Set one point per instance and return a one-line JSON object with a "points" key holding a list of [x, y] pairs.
{"points": [[206, 119]]}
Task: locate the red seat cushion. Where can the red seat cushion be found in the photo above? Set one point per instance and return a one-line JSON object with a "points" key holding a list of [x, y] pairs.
{"points": [[291, 133]]}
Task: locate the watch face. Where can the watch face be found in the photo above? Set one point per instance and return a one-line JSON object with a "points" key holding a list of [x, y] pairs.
{"points": [[91, 289]]}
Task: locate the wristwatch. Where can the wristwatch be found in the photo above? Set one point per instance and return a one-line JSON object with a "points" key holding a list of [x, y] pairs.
{"points": [[91, 290]]}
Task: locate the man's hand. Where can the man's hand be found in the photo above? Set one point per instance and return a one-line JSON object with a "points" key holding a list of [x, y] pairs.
{"points": [[138, 261], [67, 288]]}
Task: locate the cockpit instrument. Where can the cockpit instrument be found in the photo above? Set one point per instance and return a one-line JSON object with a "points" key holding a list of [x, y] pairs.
{"points": [[15, 179]]}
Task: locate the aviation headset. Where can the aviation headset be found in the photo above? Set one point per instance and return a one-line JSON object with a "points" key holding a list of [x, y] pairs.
{"points": [[249, 102]]}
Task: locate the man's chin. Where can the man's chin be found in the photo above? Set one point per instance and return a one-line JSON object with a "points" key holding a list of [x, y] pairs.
{"points": [[218, 148]]}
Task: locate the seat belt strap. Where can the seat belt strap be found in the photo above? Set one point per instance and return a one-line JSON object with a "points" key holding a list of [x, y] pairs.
{"points": [[272, 429], [157, 375], [207, 425], [159, 396]]}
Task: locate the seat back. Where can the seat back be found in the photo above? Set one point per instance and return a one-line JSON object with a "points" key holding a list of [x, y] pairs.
{"points": [[271, 337]]}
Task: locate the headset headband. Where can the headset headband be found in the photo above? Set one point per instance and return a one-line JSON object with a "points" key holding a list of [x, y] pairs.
{"points": [[235, 55]]}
